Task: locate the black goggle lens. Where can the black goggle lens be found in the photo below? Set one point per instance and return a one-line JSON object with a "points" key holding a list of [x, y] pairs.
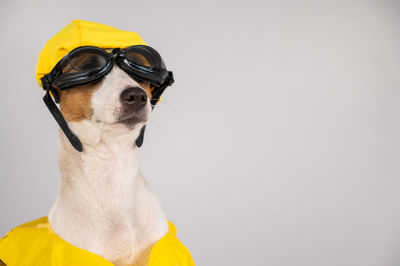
{"points": [[144, 56], [137, 59], [85, 61]]}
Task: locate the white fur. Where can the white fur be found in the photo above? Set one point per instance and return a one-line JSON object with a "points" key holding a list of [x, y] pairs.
{"points": [[104, 205]]}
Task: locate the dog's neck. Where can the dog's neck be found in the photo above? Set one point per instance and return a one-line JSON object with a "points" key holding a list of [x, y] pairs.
{"points": [[104, 204]]}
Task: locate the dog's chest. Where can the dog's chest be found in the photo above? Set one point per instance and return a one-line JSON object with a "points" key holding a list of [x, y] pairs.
{"points": [[127, 246], [105, 206], [122, 236]]}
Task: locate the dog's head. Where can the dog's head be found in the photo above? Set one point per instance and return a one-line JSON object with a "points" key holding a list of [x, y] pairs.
{"points": [[98, 75], [112, 109]]}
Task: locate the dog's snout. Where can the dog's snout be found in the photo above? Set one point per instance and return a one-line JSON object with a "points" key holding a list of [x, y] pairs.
{"points": [[134, 97]]}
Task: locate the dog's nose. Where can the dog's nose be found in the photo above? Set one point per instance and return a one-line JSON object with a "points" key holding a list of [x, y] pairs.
{"points": [[135, 98]]}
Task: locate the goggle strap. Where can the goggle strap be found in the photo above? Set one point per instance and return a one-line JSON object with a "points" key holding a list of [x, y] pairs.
{"points": [[157, 94], [73, 139], [139, 140]]}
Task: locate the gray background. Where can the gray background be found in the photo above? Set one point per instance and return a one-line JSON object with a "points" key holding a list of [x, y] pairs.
{"points": [[277, 145]]}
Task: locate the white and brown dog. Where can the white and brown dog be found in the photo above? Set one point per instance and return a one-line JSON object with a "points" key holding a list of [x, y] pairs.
{"points": [[104, 204]]}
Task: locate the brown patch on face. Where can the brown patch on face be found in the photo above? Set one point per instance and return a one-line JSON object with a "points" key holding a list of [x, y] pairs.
{"points": [[75, 103], [147, 87]]}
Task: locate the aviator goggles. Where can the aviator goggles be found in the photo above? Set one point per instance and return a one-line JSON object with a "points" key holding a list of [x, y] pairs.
{"points": [[89, 64]]}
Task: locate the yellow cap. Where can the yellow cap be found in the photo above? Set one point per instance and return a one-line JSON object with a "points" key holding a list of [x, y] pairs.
{"points": [[81, 33]]}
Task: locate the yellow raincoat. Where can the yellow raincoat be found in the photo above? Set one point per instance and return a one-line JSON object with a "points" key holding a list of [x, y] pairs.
{"points": [[35, 243]]}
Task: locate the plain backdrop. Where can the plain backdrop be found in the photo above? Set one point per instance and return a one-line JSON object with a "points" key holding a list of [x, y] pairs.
{"points": [[277, 145]]}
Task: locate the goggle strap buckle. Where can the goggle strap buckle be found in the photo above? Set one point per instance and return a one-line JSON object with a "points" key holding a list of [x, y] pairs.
{"points": [[46, 81], [171, 78], [159, 91]]}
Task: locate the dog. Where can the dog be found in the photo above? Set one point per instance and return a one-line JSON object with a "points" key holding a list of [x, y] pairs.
{"points": [[104, 204], [105, 211]]}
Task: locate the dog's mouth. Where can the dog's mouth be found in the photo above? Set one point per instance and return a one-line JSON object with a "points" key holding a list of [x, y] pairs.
{"points": [[125, 119], [131, 120]]}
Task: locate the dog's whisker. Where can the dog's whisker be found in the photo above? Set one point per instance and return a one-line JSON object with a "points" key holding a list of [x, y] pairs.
{"points": [[51, 128], [37, 108], [158, 126], [167, 105]]}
